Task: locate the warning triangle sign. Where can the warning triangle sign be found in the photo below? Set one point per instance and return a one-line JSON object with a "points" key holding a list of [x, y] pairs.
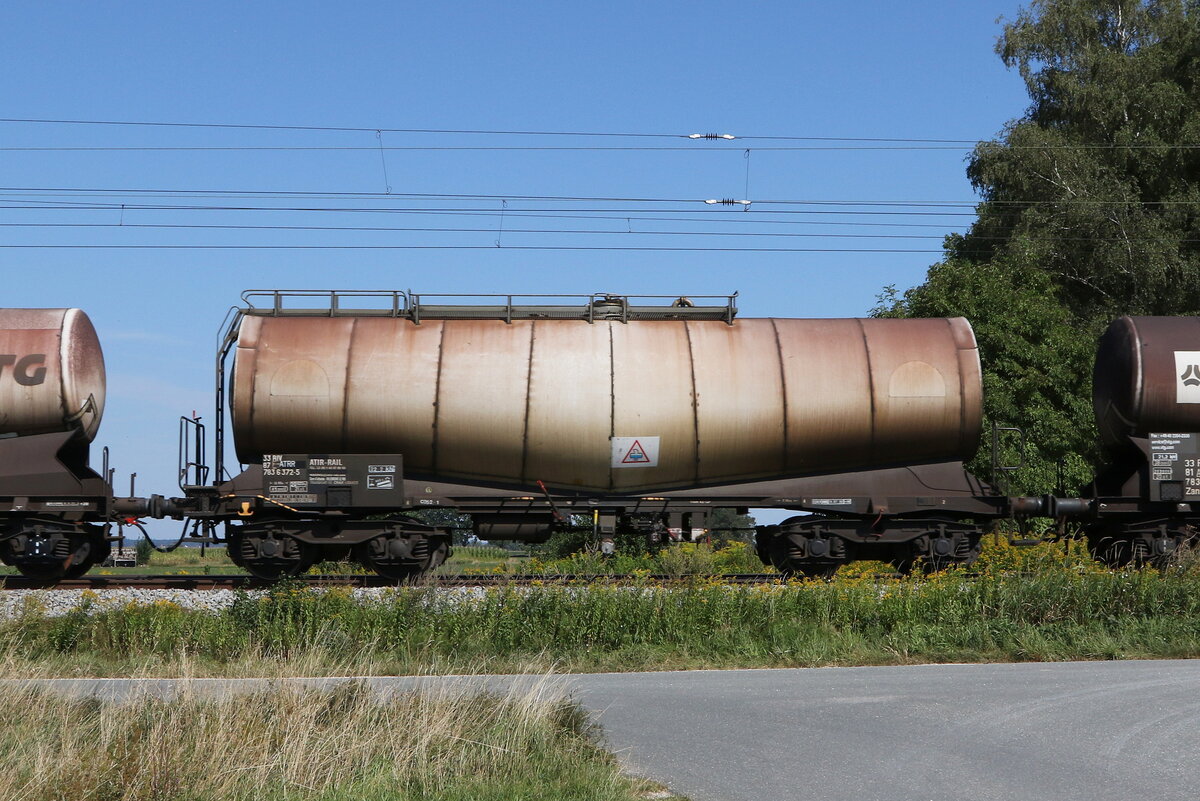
{"points": [[636, 454]]}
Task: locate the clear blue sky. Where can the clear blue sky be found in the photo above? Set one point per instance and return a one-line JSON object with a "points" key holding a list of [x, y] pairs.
{"points": [[893, 70]]}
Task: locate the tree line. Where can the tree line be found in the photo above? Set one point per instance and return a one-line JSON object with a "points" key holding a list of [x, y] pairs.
{"points": [[1089, 209]]}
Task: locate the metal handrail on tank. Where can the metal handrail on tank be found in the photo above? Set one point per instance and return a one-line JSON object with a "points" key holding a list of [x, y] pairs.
{"points": [[414, 306], [192, 463], [592, 307], [397, 304], [226, 338]]}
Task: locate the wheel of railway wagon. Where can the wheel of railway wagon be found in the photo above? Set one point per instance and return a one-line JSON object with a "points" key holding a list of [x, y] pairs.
{"points": [[100, 550], [270, 556], [403, 557]]}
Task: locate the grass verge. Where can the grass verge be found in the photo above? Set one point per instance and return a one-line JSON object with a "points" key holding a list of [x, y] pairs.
{"points": [[290, 743], [950, 617]]}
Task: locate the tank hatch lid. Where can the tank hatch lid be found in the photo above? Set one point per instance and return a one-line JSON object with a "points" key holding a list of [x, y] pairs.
{"points": [[418, 307]]}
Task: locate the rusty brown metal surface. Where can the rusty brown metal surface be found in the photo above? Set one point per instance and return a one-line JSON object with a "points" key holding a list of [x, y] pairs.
{"points": [[739, 399], [707, 402], [577, 411], [51, 372], [1147, 377], [481, 400], [409, 384], [652, 396], [917, 385], [827, 386]]}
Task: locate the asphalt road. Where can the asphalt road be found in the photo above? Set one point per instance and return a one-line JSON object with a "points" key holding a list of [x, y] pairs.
{"points": [[1092, 731]]}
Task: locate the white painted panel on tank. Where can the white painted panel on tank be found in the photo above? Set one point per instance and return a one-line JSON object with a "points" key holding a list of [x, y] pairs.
{"points": [[916, 379], [917, 411], [1187, 376], [300, 378]]}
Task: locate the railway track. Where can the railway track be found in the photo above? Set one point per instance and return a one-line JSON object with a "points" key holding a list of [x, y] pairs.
{"points": [[242, 581]]}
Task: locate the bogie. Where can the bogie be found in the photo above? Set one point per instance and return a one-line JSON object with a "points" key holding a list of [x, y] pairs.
{"points": [[48, 549], [271, 555], [1155, 543]]}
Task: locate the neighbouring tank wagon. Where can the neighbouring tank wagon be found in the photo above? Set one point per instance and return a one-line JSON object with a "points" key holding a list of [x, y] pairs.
{"points": [[628, 414], [51, 373], [56, 512], [1147, 378], [1145, 504]]}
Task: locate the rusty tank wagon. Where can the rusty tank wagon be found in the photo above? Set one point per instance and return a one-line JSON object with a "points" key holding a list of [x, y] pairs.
{"points": [[633, 414]]}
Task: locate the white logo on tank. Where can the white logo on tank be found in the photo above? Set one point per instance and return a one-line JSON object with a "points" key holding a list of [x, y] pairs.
{"points": [[1187, 376]]}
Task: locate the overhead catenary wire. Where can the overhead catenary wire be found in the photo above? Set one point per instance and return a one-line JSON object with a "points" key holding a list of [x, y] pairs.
{"points": [[581, 148], [60, 191], [462, 209], [716, 217], [430, 229], [898, 143], [614, 232], [459, 131], [680, 211], [510, 197], [497, 248], [95, 246]]}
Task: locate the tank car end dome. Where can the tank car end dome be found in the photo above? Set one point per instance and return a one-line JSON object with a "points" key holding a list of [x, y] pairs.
{"points": [[51, 372], [1147, 378]]}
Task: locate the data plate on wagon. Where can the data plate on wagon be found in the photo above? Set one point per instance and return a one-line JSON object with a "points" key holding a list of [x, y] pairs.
{"points": [[335, 480], [1174, 475]]}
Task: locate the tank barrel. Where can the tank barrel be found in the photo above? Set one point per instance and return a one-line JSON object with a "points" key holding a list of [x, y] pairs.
{"points": [[646, 403]]}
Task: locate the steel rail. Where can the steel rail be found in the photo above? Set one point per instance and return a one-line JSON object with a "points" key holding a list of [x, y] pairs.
{"points": [[247, 582]]}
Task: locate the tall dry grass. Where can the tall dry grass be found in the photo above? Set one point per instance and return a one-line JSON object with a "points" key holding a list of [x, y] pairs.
{"points": [[292, 742]]}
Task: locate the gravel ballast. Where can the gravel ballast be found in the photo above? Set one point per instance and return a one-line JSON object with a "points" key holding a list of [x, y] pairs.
{"points": [[55, 603]]}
